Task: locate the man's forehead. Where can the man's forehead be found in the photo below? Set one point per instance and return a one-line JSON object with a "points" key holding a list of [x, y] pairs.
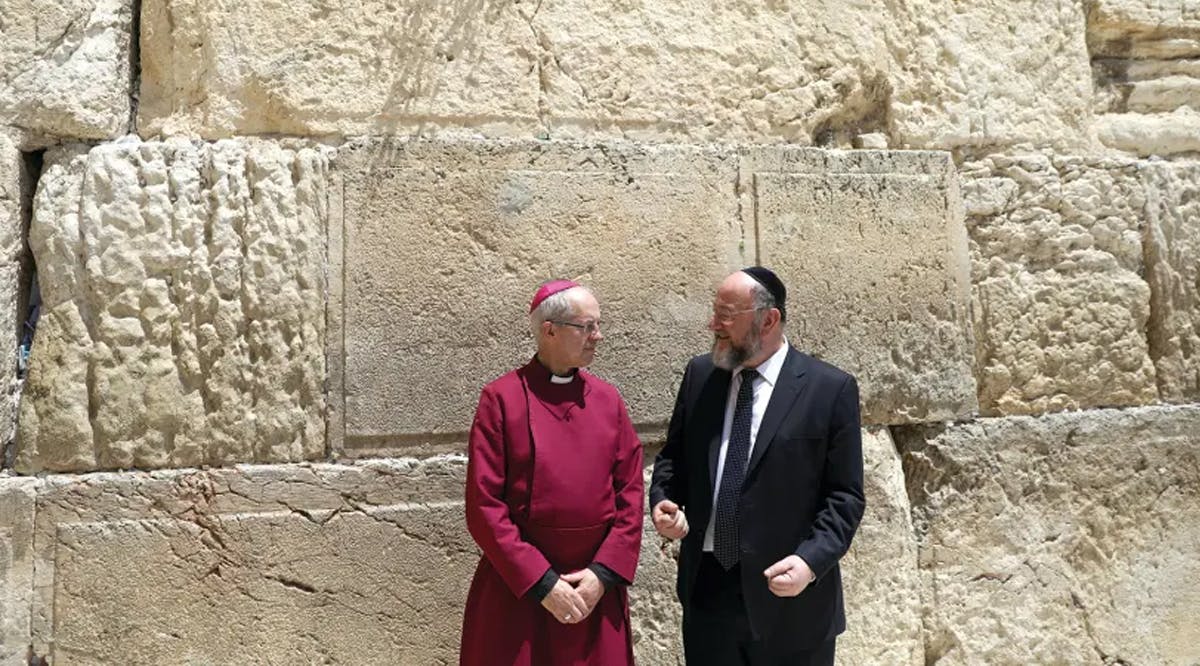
{"points": [[583, 301], [731, 291]]}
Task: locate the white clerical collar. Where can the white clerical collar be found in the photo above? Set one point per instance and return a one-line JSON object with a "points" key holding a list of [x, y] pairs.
{"points": [[555, 379], [769, 369]]}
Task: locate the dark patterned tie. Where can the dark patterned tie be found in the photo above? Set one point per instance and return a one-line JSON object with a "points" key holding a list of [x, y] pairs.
{"points": [[725, 533]]}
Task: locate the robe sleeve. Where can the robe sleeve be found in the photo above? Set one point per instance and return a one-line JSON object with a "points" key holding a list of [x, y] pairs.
{"points": [[619, 552], [518, 562]]}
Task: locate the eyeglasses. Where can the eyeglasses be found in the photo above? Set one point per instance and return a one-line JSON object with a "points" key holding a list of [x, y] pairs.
{"points": [[726, 318], [588, 327]]}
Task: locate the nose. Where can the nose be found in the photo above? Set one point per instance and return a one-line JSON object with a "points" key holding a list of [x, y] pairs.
{"points": [[713, 323]]}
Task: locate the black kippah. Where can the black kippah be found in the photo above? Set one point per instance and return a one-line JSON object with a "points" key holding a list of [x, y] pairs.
{"points": [[774, 286]]}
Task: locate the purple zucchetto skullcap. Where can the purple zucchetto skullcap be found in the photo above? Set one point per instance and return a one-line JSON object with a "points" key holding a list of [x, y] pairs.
{"points": [[774, 286], [548, 289]]}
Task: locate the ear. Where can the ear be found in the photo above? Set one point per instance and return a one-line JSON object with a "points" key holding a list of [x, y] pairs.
{"points": [[547, 328], [772, 319]]}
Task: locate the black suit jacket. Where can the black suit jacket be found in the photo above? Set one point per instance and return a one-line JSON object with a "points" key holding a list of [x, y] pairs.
{"points": [[802, 493]]}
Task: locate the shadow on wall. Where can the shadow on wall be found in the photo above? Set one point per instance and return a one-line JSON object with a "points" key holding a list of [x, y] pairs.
{"points": [[447, 29]]}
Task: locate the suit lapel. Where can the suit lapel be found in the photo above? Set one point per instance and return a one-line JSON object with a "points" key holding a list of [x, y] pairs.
{"points": [[788, 387], [712, 403]]}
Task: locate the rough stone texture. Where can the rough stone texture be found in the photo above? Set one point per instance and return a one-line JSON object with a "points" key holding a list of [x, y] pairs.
{"points": [[64, 66], [337, 564], [1152, 134], [1147, 76], [284, 564], [10, 237], [183, 319], [445, 243], [514, 68], [991, 73], [1060, 307], [16, 566], [872, 248], [334, 67], [934, 74], [882, 582], [1173, 271], [1069, 538]]}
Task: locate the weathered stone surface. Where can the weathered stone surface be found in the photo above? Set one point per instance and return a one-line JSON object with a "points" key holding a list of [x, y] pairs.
{"points": [[935, 74], [1069, 538], [1173, 271], [1152, 134], [872, 248], [65, 66], [1060, 307], [992, 73], [183, 319], [295, 564], [337, 564], [10, 243], [882, 581], [445, 242], [803, 72], [556, 67], [1147, 76], [16, 566], [10, 198], [1143, 29], [359, 67]]}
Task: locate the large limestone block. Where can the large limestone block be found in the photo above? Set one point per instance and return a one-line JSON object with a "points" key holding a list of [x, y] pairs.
{"points": [[16, 566], [183, 307], [278, 564], [1060, 306], [992, 73], [1069, 538], [563, 67], [804, 72], [446, 242], [1173, 271], [333, 67], [872, 248], [880, 574], [336, 564], [65, 66]]}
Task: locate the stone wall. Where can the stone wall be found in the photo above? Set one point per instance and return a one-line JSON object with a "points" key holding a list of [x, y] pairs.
{"points": [[280, 249]]}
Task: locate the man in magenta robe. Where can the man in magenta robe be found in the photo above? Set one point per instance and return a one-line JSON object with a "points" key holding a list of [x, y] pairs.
{"points": [[554, 500]]}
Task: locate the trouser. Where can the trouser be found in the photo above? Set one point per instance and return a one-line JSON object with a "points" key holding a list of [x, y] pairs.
{"points": [[716, 630]]}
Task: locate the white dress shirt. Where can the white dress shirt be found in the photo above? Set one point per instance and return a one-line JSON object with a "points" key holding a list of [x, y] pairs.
{"points": [[768, 371]]}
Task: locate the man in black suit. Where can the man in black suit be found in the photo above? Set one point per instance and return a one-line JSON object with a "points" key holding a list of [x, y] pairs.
{"points": [[764, 458]]}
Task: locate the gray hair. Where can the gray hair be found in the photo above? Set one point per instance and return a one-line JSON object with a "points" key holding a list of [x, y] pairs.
{"points": [[556, 307], [762, 300]]}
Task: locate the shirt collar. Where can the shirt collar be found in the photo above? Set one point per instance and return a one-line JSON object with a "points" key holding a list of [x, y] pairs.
{"points": [[769, 369]]}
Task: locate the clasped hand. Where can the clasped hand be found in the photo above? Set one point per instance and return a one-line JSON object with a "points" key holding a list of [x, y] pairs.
{"points": [[574, 596]]}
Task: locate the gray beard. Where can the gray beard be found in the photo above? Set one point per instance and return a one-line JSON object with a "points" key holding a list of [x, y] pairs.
{"points": [[735, 355]]}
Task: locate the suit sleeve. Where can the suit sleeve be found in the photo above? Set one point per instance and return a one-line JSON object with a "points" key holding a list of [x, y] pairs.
{"points": [[669, 480], [518, 562], [843, 502], [619, 552]]}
